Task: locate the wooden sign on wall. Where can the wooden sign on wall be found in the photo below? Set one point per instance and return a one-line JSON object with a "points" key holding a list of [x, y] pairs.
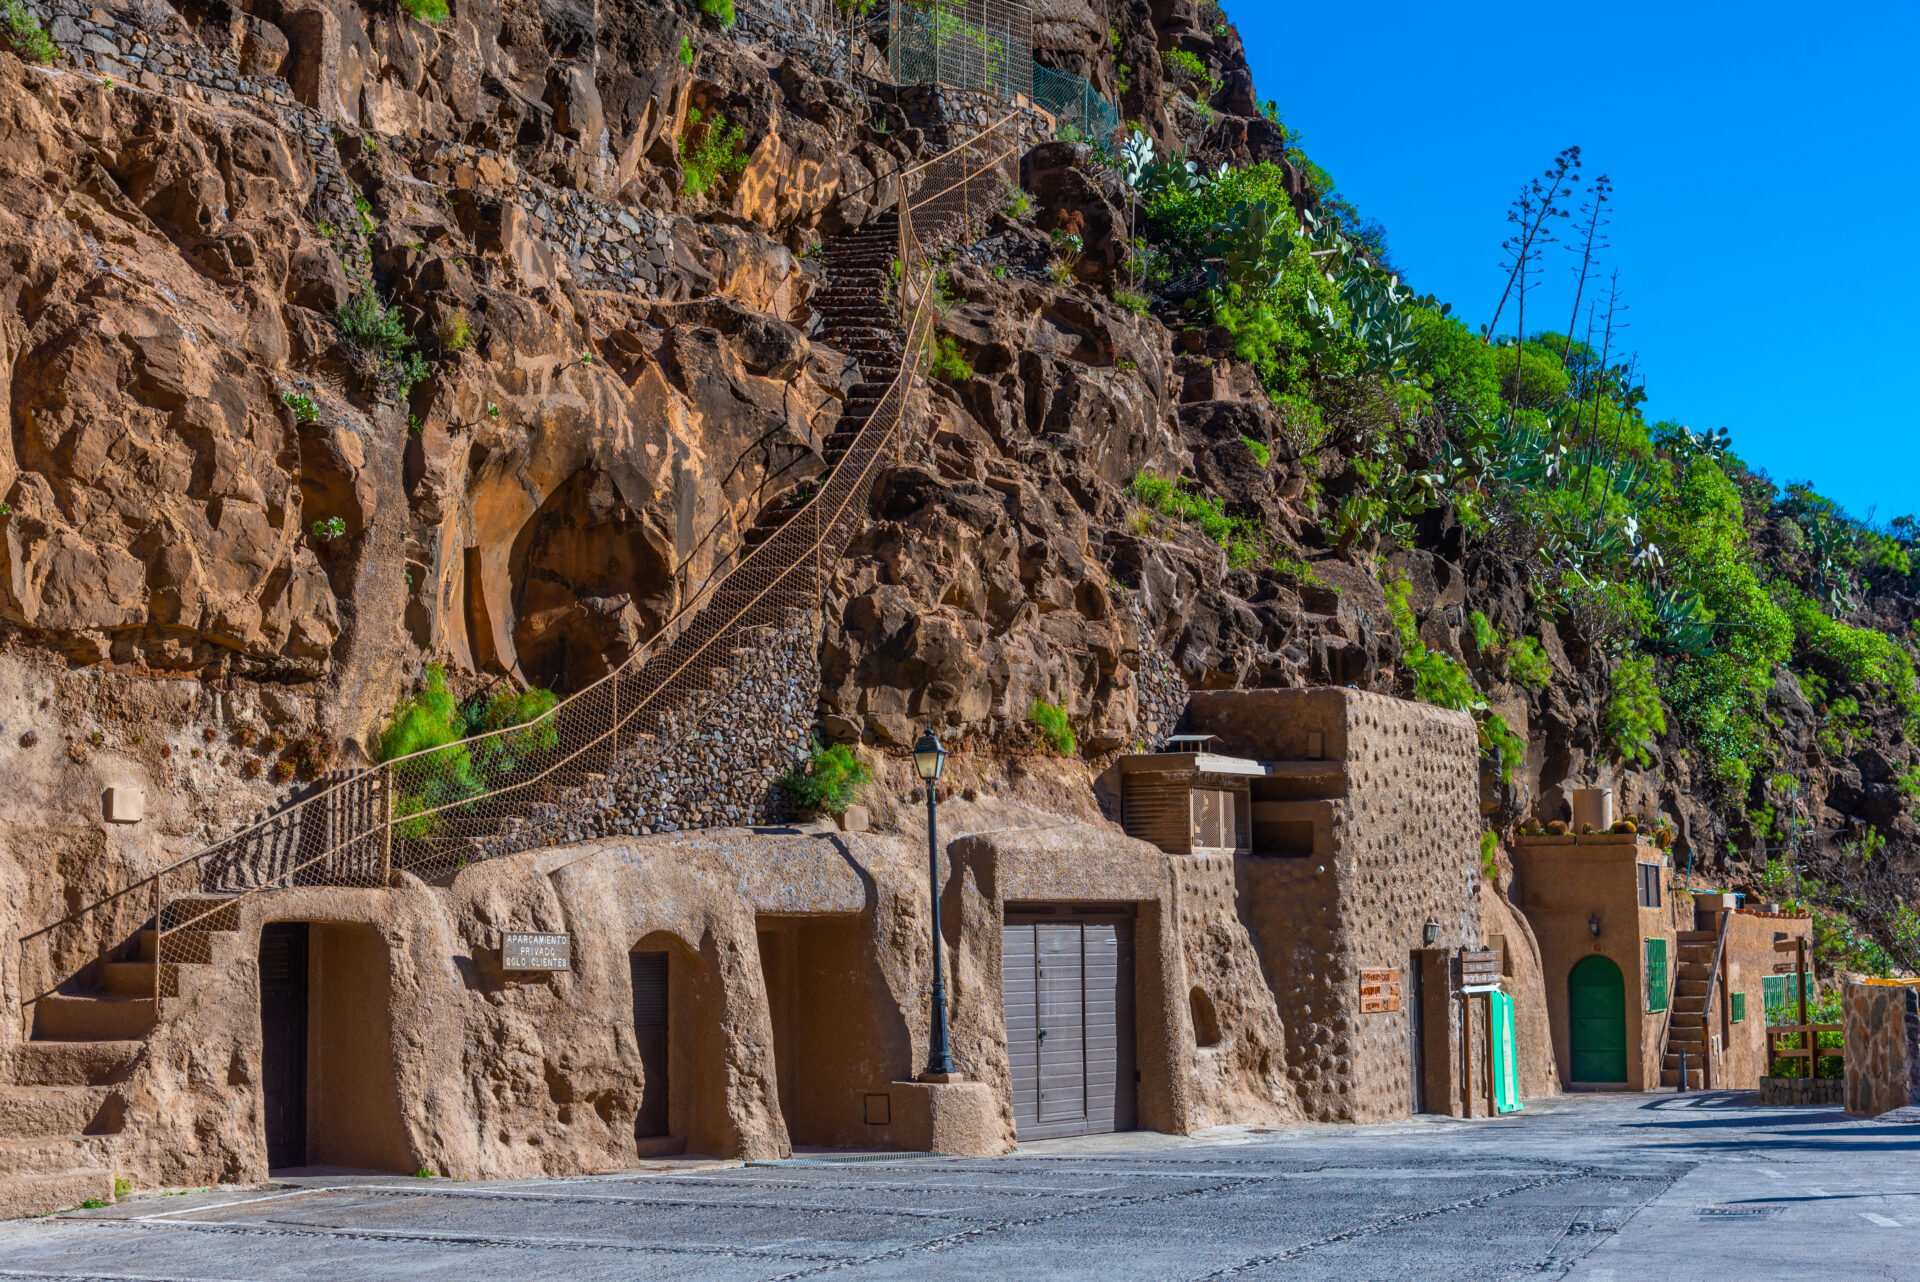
{"points": [[1479, 966], [1379, 991]]}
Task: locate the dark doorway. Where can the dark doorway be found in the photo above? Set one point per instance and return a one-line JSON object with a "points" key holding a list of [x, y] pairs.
{"points": [[283, 1040], [650, 1030], [1415, 998]]}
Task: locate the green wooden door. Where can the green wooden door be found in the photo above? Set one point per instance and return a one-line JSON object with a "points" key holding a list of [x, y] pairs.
{"points": [[1597, 1018]]}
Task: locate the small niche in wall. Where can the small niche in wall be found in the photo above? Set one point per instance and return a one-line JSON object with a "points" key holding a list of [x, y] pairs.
{"points": [[1206, 1023]]}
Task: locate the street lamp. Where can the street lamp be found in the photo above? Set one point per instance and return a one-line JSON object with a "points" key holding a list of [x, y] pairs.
{"points": [[1593, 925], [1430, 933], [928, 758]]}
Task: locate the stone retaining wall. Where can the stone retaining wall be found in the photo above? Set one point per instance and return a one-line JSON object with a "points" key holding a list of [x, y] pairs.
{"points": [[1824, 1092], [1883, 1047], [719, 766]]}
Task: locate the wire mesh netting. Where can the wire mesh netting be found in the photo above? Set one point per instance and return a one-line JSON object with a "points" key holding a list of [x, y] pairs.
{"points": [[983, 45], [521, 784], [1072, 103]]}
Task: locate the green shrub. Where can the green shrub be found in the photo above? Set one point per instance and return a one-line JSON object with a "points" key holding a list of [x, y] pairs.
{"points": [[945, 361], [369, 323], [1051, 721], [1490, 855], [687, 54], [1138, 304], [302, 406], [1498, 738], [721, 11], [426, 10], [1527, 663], [23, 33], [456, 331], [1188, 67], [1634, 718], [1019, 204], [1261, 451], [440, 765], [711, 149], [828, 781], [330, 528], [1440, 680], [1169, 498]]}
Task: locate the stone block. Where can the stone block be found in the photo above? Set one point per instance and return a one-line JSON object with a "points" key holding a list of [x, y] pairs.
{"points": [[954, 1119]]}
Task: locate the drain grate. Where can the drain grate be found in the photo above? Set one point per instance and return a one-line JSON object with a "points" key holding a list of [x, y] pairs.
{"points": [[1736, 1212]]}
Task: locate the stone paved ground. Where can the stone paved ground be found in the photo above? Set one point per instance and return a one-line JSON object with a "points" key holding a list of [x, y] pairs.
{"points": [[1626, 1188]]}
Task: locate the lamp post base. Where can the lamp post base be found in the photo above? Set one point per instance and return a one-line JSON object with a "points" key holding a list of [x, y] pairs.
{"points": [[941, 1079]]}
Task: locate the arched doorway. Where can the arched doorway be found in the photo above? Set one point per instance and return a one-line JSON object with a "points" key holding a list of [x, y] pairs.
{"points": [[1597, 1021]]}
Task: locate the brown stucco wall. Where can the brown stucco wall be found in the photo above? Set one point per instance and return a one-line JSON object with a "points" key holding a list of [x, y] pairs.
{"points": [[1883, 1047], [1561, 882], [795, 956], [1750, 955], [1401, 847]]}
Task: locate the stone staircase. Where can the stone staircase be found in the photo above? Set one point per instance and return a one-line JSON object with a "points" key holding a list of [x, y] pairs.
{"points": [[63, 1096], [62, 1105], [1687, 1021]]}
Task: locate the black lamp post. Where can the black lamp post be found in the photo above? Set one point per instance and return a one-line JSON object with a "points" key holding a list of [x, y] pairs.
{"points": [[928, 758]]}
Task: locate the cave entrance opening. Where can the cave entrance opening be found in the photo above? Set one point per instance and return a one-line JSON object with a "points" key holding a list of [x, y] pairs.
{"points": [[677, 1009], [837, 1033], [328, 1092]]}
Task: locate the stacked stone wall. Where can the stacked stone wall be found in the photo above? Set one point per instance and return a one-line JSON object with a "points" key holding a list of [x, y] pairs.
{"points": [[718, 765], [1882, 1047]]}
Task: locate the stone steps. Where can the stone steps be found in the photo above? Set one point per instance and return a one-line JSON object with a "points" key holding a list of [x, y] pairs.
{"points": [[56, 1154], [28, 1195], [40, 1111], [74, 1063], [60, 1017]]}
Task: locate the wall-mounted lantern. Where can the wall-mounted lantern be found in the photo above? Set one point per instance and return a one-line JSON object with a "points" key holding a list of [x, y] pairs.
{"points": [[1430, 932], [1593, 925]]}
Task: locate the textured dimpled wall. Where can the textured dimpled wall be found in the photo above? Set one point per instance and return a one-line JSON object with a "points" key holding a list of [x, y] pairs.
{"points": [[1407, 851], [1243, 1075]]}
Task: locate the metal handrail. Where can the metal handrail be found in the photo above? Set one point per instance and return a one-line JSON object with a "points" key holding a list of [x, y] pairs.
{"points": [[1706, 1011], [778, 558]]}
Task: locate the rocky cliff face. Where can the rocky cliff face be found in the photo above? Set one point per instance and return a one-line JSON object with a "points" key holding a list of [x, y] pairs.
{"points": [[335, 342]]}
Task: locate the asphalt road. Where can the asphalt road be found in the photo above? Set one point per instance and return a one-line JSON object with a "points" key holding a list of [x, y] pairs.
{"points": [[1623, 1188]]}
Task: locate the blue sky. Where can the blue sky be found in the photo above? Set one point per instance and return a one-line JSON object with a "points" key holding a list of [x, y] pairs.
{"points": [[1766, 179]]}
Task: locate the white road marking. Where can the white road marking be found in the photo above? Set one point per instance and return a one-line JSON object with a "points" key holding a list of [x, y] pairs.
{"points": [[1884, 1221], [1818, 1192], [1771, 1174]]}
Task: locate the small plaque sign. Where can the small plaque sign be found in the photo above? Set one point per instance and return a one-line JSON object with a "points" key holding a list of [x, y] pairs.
{"points": [[524, 950], [1786, 968], [1481, 966], [1787, 945], [1379, 991]]}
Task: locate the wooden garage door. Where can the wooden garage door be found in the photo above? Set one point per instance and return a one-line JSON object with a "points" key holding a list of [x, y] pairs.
{"points": [[1069, 1005]]}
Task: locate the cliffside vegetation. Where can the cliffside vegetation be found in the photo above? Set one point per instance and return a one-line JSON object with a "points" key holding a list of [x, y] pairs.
{"points": [[1746, 644]]}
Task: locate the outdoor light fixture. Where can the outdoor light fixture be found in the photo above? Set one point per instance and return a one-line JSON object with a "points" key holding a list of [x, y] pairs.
{"points": [[1593, 925], [928, 758], [1430, 932]]}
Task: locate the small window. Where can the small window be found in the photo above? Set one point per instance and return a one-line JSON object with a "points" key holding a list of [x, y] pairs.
{"points": [[1206, 1024], [1649, 884], [1739, 1008], [1656, 974]]}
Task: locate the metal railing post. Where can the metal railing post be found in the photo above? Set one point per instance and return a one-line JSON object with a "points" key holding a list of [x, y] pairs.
{"points": [[386, 825]]}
